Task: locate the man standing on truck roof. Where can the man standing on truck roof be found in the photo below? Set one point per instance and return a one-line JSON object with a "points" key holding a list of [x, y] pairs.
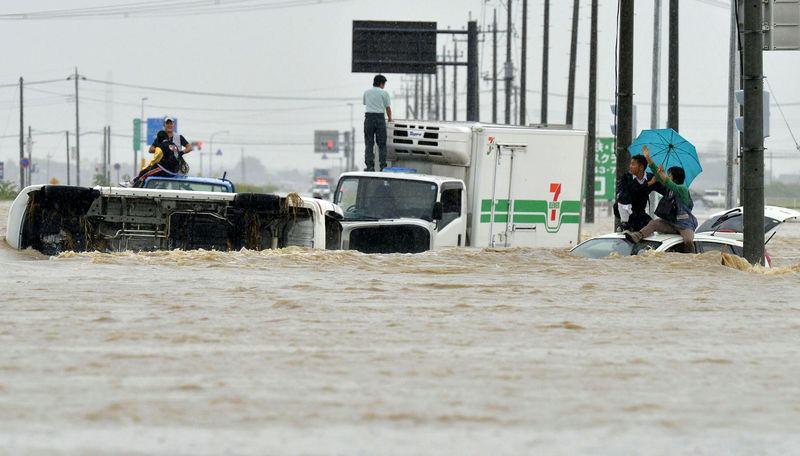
{"points": [[376, 102]]}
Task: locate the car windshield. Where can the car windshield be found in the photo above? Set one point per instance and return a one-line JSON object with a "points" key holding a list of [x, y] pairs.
{"points": [[371, 198], [603, 247], [732, 223], [165, 184]]}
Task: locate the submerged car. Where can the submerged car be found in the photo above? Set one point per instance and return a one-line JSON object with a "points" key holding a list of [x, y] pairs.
{"points": [[722, 232], [58, 218]]}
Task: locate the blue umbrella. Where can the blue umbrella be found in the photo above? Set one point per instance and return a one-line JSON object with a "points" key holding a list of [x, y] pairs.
{"points": [[669, 149]]}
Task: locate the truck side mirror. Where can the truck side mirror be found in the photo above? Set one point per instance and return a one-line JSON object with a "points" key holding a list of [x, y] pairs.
{"points": [[437, 210]]}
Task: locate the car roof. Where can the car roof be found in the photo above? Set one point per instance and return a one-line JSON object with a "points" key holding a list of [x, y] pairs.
{"points": [[663, 238], [197, 179], [780, 214]]}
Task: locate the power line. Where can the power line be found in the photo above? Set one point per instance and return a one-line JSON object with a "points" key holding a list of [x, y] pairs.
{"points": [[163, 9], [222, 94], [788, 127]]}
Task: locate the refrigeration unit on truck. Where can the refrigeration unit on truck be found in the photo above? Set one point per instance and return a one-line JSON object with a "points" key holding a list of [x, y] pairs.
{"points": [[467, 184]]}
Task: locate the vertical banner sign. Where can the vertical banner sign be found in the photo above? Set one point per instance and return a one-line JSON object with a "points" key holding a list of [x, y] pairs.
{"points": [[605, 170], [137, 135]]}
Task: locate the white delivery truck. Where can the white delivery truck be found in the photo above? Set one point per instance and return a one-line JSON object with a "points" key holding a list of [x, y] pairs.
{"points": [[467, 184]]}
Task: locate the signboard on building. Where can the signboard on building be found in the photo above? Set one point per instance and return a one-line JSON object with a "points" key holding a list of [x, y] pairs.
{"points": [[605, 171]]}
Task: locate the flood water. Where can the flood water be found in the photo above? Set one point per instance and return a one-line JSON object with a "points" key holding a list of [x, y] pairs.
{"points": [[461, 351]]}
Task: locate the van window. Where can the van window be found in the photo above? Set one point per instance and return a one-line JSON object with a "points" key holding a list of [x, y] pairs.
{"points": [[451, 206]]}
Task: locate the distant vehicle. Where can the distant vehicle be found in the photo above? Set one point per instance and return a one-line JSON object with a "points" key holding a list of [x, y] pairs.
{"points": [[615, 243], [190, 183], [321, 189], [714, 198]]}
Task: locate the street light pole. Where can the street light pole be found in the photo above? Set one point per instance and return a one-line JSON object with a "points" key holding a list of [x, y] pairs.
{"points": [[141, 136]]}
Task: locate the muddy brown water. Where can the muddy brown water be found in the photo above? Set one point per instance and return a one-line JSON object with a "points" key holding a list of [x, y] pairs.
{"points": [[460, 351]]}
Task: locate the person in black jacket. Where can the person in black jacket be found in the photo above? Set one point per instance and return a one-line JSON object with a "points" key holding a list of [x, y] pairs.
{"points": [[168, 149], [633, 195]]}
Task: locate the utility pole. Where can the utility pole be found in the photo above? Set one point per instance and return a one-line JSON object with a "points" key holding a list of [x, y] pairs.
{"points": [[494, 67], [473, 73], [30, 155], [416, 96], [429, 113], [523, 66], [591, 124], [108, 149], [444, 84], [515, 117], [68, 173], [545, 58], [77, 132], [21, 138], [655, 91], [573, 56], [437, 100], [672, 94], [509, 66], [455, 80], [753, 146], [421, 96], [105, 152], [625, 89], [730, 153], [243, 168]]}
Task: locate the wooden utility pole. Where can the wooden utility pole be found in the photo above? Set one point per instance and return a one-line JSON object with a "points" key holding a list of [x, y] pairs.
{"points": [[591, 123], [624, 89], [573, 56], [545, 59], [753, 145], [523, 65], [494, 68], [672, 95], [509, 72]]}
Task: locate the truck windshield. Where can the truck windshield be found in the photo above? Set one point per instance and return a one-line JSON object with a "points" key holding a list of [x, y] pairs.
{"points": [[375, 198]]}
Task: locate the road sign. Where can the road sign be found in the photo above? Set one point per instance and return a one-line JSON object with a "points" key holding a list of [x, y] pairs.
{"points": [[780, 24], [137, 135], [2, 171], [394, 47], [25, 162], [605, 171], [326, 141], [117, 166], [154, 125]]}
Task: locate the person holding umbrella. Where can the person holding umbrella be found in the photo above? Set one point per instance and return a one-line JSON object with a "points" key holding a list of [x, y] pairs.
{"points": [[675, 209], [679, 157]]}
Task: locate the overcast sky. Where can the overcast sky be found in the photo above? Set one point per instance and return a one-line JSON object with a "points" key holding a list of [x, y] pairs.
{"points": [[305, 51]]}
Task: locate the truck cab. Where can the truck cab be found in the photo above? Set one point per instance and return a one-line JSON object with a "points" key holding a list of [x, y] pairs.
{"points": [[400, 211]]}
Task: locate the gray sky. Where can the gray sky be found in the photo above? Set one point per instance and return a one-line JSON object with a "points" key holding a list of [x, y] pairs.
{"points": [[305, 51]]}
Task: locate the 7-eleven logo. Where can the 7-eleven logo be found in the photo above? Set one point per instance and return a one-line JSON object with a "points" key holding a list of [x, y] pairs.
{"points": [[555, 204]]}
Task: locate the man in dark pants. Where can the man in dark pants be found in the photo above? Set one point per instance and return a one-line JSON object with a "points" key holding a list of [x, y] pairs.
{"points": [[633, 195], [376, 102]]}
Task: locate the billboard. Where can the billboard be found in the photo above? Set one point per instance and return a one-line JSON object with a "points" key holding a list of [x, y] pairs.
{"points": [[394, 47], [605, 170]]}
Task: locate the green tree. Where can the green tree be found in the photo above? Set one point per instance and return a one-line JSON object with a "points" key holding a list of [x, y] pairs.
{"points": [[8, 190]]}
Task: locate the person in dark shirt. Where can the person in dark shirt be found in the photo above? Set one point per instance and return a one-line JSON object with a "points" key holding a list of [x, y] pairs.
{"points": [[633, 195], [168, 151]]}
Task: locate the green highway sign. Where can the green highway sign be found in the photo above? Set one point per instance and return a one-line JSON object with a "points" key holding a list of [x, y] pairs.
{"points": [[605, 171], [137, 135]]}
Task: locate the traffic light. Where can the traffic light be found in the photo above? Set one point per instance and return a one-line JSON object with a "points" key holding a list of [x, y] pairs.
{"points": [[739, 121]]}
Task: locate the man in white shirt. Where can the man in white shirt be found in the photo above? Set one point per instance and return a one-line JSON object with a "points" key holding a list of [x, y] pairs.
{"points": [[376, 102]]}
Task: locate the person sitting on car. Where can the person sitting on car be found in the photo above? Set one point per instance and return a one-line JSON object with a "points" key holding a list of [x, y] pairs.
{"points": [[633, 195], [167, 155], [674, 210]]}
